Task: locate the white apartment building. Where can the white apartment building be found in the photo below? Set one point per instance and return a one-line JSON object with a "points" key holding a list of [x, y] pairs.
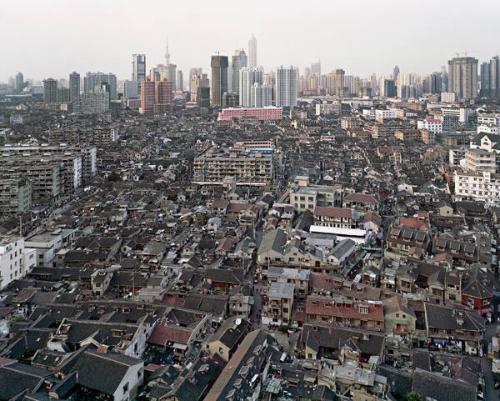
{"points": [[286, 86], [307, 198], [481, 186], [15, 260], [487, 129], [434, 125], [491, 119], [48, 243], [479, 160], [386, 114]]}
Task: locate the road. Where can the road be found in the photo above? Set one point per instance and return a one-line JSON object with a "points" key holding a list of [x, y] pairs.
{"points": [[491, 393]]}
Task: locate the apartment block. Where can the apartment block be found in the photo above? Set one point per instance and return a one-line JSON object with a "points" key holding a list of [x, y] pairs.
{"points": [[248, 168], [15, 260]]}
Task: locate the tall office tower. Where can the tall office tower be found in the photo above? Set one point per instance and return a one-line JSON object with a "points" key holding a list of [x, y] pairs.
{"points": [[239, 61], [444, 79], [138, 67], [485, 80], [388, 88], [248, 77], [155, 74], [147, 96], [194, 84], [312, 83], [374, 85], [495, 78], [95, 80], [432, 83], [252, 52], [19, 82], [352, 85], [130, 90], [164, 96], [172, 74], [307, 73], [395, 74], [50, 90], [339, 82], [180, 81], [193, 72], [286, 86], [316, 68], [219, 66], [74, 86], [462, 78]]}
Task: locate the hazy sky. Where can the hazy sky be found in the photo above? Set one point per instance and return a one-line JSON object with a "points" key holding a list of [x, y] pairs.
{"points": [[45, 38]]}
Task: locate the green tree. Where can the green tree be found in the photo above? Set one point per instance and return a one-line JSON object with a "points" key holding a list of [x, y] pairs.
{"points": [[413, 397]]}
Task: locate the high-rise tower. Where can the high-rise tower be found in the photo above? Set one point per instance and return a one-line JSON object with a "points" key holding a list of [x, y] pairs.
{"points": [[252, 52], [462, 77], [219, 66]]}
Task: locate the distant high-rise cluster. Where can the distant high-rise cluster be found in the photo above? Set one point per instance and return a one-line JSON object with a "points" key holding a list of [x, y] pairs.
{"points": [[239, 81]]}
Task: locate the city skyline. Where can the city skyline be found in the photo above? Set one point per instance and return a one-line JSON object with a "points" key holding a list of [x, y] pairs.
{"points": [[50, 25]]}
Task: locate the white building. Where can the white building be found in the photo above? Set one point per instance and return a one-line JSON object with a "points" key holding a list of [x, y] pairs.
{"points": [[489, 119], [262, 95], [386, 114], [448, 97], [286, 86], [248, 78], [479, 160], [483, 187], [48, 243], [487, 129], [434, 125], [252, 52], [15, 260]]}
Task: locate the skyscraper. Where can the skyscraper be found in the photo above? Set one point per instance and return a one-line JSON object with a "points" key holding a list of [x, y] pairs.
{"points": [[192, 73], [388, 88], [462, 77], [239, 61], [248, 77], [316, 69], [286, 86], [130, 90], [485, 80], [219, 66], [262, 95], [252, 52], [19, 82], [495, 78], [74, 86], [147, 96], [50, 90], [163, 96], [339, 82], [395, 74], [95, 80], [180, 81], [172, 74], [138, 68]]}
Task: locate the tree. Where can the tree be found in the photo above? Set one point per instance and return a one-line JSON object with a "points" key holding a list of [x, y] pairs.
{"points": [[413, 397]]}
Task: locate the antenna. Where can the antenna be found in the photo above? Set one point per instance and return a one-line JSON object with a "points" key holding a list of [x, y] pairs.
{"points": [[167, 54]]}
